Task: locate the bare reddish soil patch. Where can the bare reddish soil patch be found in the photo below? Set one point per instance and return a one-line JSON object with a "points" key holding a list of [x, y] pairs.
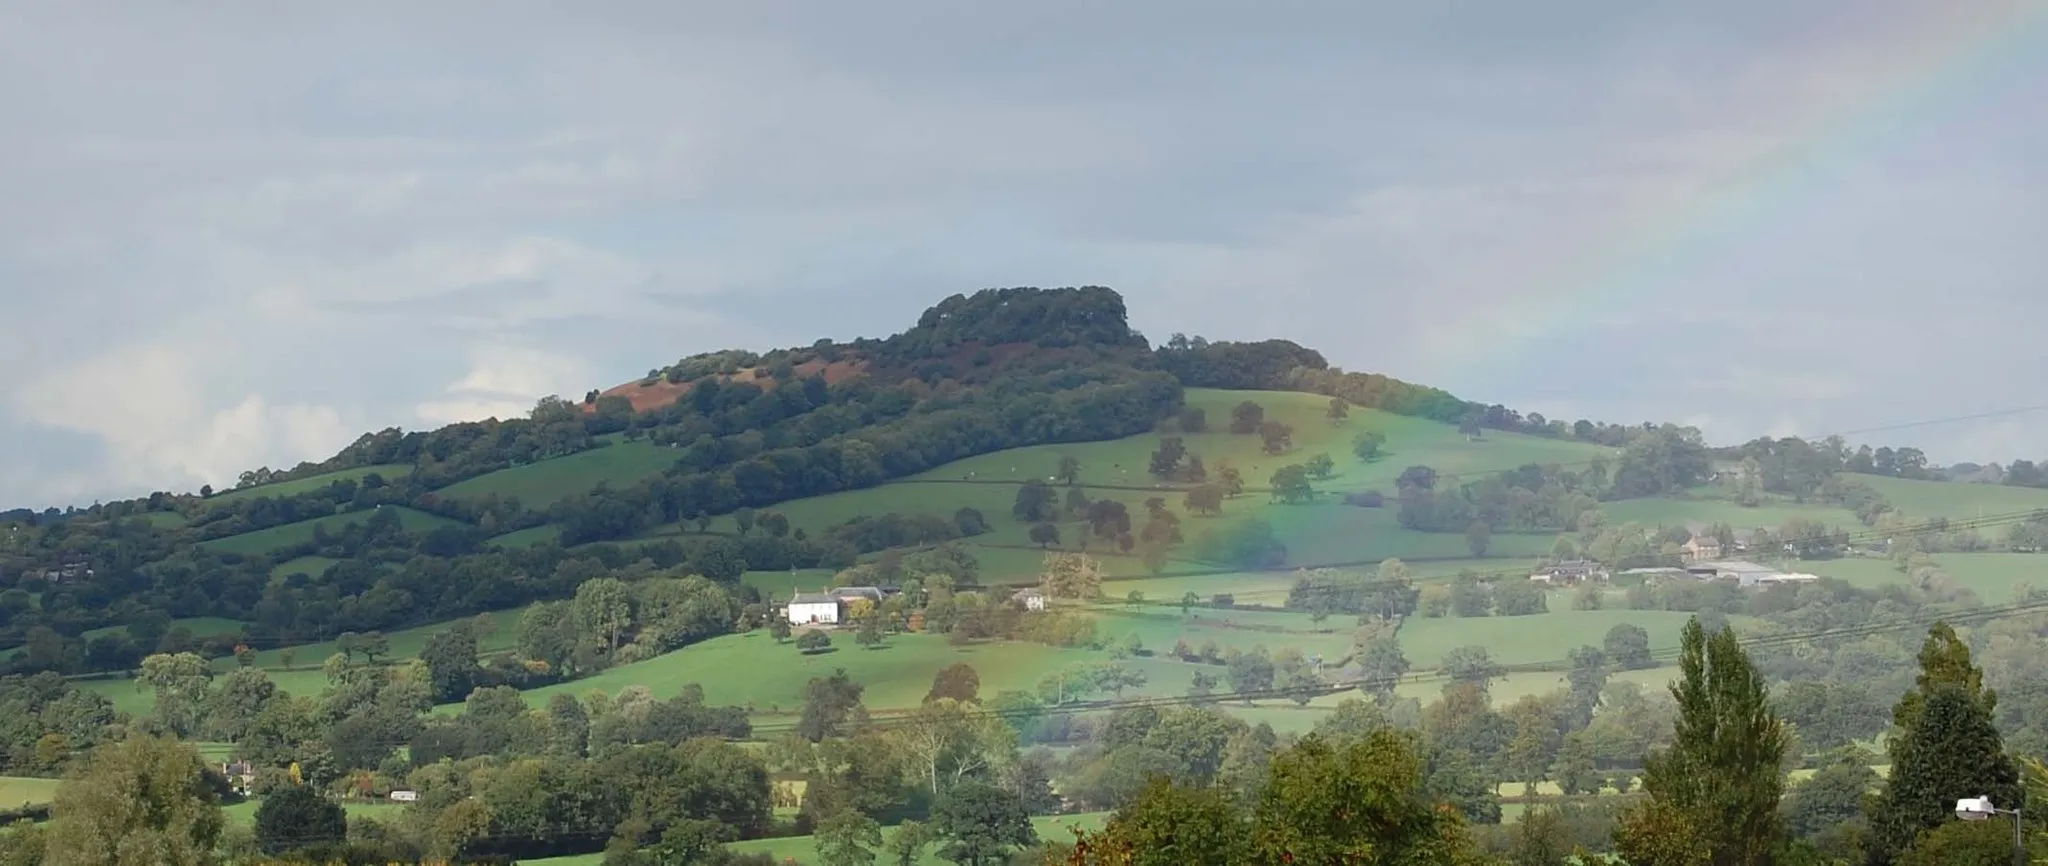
{"points": [[646, 396]]}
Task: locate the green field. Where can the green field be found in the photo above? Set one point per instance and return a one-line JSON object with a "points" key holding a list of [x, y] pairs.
{"points": [[1950, 499], [803, 849], [305, 677], [1680, 512], [753, 670], [1243, 629], [199, 626], [311, 566], [19, 791], [264, 541], [244, 813], [311, 482], [538, 485], [529, 537], [166, 519], [1515, 640]]}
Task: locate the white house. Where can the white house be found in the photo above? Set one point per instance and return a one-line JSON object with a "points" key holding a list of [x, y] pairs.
{"points": [[1031, 599], [405, 796], [814, 608]]}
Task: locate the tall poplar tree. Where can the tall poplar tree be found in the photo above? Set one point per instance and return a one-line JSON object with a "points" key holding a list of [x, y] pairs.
{"points": [[1945, 747], [1714, 793]]}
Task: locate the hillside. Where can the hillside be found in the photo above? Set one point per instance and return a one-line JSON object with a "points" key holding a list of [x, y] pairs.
{"points": [[1240, 535]]}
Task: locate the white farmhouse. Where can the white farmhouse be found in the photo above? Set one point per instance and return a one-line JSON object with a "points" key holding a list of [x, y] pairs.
{"points": [[814, 608]]}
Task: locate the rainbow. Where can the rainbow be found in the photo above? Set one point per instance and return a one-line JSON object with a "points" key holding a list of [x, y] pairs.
{"points": [[1956, 59]]}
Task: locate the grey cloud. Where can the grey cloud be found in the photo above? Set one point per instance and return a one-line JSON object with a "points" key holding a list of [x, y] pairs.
{"points": [[1619, 210]]}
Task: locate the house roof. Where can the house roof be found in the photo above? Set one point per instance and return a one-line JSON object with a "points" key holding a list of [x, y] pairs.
{"points": [[1028, 593], [868, 592], [813, 598], [1739, 567]]}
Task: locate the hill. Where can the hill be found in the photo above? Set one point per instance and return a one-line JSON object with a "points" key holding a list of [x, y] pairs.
{"points": [[1248, 544]]}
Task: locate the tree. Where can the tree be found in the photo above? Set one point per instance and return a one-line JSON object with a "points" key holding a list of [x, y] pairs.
{"points": [[1290, 483], [1188, 600], [1204, 499], [1321, 466], [180, 681], [1946, 743], [907, 846], [743, 518], [1339, 411], [1367, 445], [1628, 646], [832, 706], [1833, 796], [1962, 843], [450, 656], [774, 523], [1275, 437], [979, 824], [298, 817], [1246, 417], [778, 627], [1720, 781], [604, 607], [1194, 419], [1381, 666], [1070, 470], [1171, 825], [946, 740], [1471, 664], [1231, 479], [847, 839], [1045, 535], [1167, 458], [1362, 802], [1251, 672], [1071, 575], [814, 641], [870, 633], [957, 681], [140, 800], [1478, 537], [1036, 502]]}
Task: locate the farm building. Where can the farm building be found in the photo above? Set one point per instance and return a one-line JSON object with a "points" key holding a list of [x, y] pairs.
{"points": [[1570, 571], [1031, 599], [1701, 548], [1746, 574]]}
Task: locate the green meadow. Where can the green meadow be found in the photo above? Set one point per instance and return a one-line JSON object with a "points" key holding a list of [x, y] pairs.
{"points": [[1953, 500], [803, 850], [310, 483], [541, 484], [19, 791], [263, 541]]}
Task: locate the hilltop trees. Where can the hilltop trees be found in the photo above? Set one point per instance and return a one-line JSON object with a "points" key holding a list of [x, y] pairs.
{"points": [[1714, 793]]}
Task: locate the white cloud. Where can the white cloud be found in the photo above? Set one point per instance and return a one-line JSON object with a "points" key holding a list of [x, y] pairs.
{"points": [[147, 408], [504, 381]]}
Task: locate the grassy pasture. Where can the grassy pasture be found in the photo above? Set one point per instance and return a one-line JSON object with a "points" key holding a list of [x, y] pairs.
{"points": [[541, 484], [1243, 629], [803, 850], [1534, 639], [311, 483], [311, 566], [304, 677], [1956, 500], [1680, 512], [752, 669], [19, 791], [529, 537], [263, 541]]}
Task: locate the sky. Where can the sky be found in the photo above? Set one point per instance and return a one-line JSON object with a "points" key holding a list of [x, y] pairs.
{"points": [[236, 234]]}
